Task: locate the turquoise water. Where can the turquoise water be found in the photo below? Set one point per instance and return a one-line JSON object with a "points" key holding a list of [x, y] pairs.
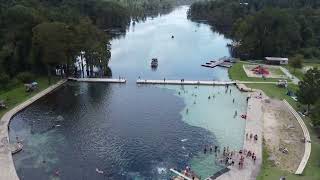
{"points": [[217, 116]]}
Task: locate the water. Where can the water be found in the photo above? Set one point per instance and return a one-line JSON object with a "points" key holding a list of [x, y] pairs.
{"points": [[181, 57], [134, 131]]}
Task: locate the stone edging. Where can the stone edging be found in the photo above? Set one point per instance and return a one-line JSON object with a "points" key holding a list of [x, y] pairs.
{"points": [[307, 146], [7, 168]]}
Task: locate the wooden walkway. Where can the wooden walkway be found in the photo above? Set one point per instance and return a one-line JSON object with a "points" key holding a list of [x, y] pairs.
{"points": [[307, 147], [104, 80], [7, 168], [179, 82]]}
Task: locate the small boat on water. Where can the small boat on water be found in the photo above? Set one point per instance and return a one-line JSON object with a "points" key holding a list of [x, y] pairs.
{"points": [[154, 63]]}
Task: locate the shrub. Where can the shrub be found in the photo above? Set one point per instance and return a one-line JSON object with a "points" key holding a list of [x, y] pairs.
{"points": [[25, 77]]}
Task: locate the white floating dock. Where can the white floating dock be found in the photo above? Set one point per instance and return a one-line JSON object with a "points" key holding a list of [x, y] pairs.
{"points": [[105, 80], [179, 174], [179, 82], [213, 64]]}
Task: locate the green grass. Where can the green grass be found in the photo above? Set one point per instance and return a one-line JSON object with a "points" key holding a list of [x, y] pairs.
{"points": [[273, 91], [298, 72], [17, 95], [236, 72]]}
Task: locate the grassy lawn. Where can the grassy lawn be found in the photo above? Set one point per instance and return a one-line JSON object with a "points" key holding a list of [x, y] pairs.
{"points": [[275, 92], [296, 72], [299, 72], [236, 72], [17, 95]]}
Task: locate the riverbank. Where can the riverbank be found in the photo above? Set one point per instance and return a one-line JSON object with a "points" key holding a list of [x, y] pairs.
{"points": [[18, 94], [268, 170], [7, 168]]}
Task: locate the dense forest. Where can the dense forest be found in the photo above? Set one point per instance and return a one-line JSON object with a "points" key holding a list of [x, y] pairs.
{"points": [[38, 36], [262, 28]]}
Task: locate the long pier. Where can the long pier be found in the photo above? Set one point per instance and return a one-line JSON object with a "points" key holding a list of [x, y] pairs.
{"points": [[183, 82], [104, 80]]}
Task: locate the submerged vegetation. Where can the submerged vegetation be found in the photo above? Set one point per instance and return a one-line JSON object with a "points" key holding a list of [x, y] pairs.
{"points": [[263, 27]]}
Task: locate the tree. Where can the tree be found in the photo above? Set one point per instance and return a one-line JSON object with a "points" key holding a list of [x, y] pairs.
{"points": [[315, 117], [296, 62], [309, 88], [94, 43], [51, 43]]}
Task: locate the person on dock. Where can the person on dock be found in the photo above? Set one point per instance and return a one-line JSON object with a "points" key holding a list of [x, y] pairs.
{"points": [[230, 91], [233, 100], [205, 150], [164, 79], [210, 149]]}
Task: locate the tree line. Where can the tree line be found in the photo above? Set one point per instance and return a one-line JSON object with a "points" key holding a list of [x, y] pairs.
{"points": [[265, 27], [36, 36]]}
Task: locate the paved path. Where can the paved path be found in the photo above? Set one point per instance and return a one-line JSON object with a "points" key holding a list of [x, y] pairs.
{"points": [[307, 147], [254, 125], [105, 80], [7, 169], [293, 78]]}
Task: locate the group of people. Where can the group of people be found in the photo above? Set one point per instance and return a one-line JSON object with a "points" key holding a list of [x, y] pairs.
{"points": [[249, 137], [229, 157]]}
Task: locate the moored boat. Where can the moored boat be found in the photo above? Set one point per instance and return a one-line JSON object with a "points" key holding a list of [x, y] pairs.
{"points": [[154, 63]]}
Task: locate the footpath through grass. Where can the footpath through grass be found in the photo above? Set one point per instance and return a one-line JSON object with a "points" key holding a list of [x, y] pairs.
{"points": [[17, 95], [268, 172]]}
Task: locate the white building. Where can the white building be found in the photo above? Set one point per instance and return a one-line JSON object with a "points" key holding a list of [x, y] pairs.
{"points": [[276, 60]]}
